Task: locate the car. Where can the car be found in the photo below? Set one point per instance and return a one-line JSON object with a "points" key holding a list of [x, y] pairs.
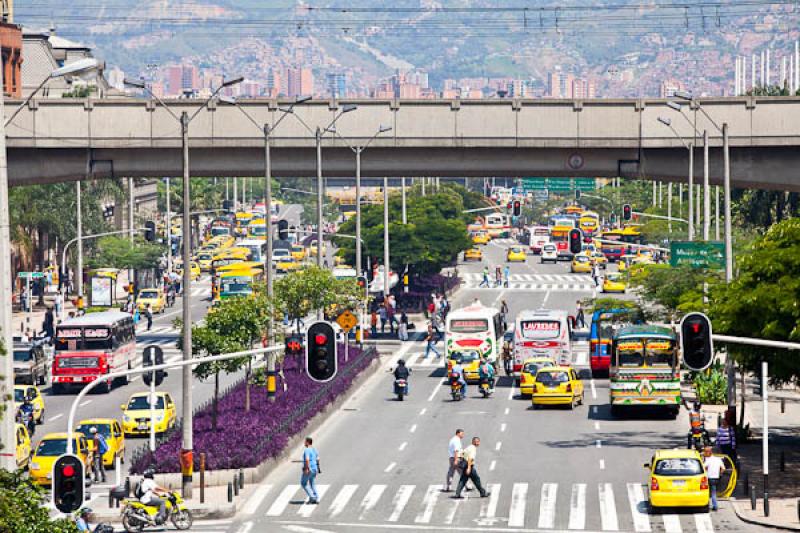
{"points": [[557, 385], [194, 270], [527, 375], [481, 237], [136, 413], [49, 449], [111, 429], [516, 253], [614, 282], [625, 261], [154, 297], [23, 448], [581, 263], [298, 252], [32, 393], [312, 249], [30, 363], [204, 258], [287, 265], [643, 259], [599, 259], [281, 254], [473, 254], [549, 253], [469, 361], [677, 479]]}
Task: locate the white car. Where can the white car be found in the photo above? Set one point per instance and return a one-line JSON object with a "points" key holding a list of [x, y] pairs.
{"points": [[549, 253], [281, 254]]}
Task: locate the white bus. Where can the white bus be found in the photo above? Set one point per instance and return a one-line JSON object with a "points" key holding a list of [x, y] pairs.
{"points": [[498, 225], [476, 328], [539, 236], [258, 247], [543, 332]]}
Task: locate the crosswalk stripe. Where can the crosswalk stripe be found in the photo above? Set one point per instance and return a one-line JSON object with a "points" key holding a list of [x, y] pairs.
{"points": [[400, 501], [307, 508], [283, 499], [516, 514], [371, 499], [547, 506], [641, 522], [608, 512], [703, 523], [341, 499], [428, 502], [451, 513], [672, 523], [577, 507], [489, 508], [412, 359], [255, 500]]}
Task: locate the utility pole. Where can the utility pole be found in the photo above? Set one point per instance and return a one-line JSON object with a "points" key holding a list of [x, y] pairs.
{"points": [[706, 190], [79, 230], [187, 444], [386, 261], [169, 227], [403, 186], [359, 265], [318, 137], [669, 207]]}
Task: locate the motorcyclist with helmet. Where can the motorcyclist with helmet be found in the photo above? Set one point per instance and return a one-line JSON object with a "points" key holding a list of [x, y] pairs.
{"points": [[457, 375], [486, 373], [402, 372], [25, 415], [154, 495], [698, 436]]}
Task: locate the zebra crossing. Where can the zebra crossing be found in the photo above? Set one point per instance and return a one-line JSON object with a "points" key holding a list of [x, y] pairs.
{"points": [[535, 282], [545, 506]]}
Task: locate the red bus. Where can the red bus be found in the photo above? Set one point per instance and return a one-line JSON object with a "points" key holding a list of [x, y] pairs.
{"points": [[90, 346]]}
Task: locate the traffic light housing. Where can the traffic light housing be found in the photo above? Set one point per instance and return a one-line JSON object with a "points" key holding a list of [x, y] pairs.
{"points": [[575, 241], [321, 361], [696, 343], [627, 212], [69, 479], [612, 218], [227, 205], [153, 355], [363, 284], [517, 209], [577, 194], [294, 345], [150, 231], [283, 230]]}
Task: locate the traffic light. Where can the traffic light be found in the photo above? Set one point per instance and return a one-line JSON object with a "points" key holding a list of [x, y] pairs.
{"points": [[68, 483], [517, 208], [627, 212], [321, 362], [509, 206], [696, 343], [153, 355], [294, 345], [577, 194], [227, 205], [283, 229], [575, 241], [150, 231], [363, 285], [612, 218]]}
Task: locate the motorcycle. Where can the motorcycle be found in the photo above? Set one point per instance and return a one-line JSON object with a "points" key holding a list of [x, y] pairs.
{"points": [[400, 388], [456, 389], [485, 388], [698, 440], [136, 516]]}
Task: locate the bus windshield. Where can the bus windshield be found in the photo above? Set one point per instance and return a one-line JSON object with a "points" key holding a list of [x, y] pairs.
{"points": [[469, 325], [634, 353], [540, 329]]}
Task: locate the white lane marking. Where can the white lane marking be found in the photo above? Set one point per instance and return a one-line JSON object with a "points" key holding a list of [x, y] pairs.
{"points": [[602, 464], [341, 500], [307, 508], [492, 465], [489, 509], [402, 446], [283, 499], [434, 391], [295, 529], [428, 502], [598, 443], [512, 390], [547, 506], [703, 523], [594, 390], [577, 507], [254, 502], [390, 467], [546, 296], [87, 402], [413, 428], [503, 426], [498, 445], [597, 425], [608, 511], [246, 527], [56, 417], [400, 501], [516, 514], [371, 499], [508, 410], [641, 522], [672, 523], [423, 411]]}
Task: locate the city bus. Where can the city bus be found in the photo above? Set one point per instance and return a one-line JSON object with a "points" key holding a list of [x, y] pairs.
{"points": [[539, 236], [474, 328], [543, 332], [220, 227], [257, 229], [257, 247], [601, 332], [632, 234], [574, 210], [589, 223], [645, 369], [497, 225], [239, 282], [90, 346], [611, 244]]}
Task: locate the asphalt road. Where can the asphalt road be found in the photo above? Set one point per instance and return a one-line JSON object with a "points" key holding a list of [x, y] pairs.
{"points": [[384, 462]]}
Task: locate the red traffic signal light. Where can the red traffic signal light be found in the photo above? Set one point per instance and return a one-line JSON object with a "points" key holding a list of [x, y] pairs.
{"points": [[627, 212], [294, 344], [68, 470], [575, 241], [68, 483], [320, 339], [321, 359], [697, 345], [517, 208]]}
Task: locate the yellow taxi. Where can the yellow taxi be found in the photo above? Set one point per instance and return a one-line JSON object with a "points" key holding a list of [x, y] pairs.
{"points": [[527, 376], [194, 270], [287, 265], [473, 254], [136, 413], [312, 249], [581, 263], [614, 282], [598, 258], [469, 360], [298, 252], [109, 428], [49, 449], [625, 262], [516, 253], [23, 449], [677, 479], [481, 238], [204, 258], [32, 393], [221, 242], [557, 385], [154, 297]]}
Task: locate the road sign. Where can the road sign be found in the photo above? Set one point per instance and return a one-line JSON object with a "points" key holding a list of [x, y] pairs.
{"points": [[30, 275], [347, 321], [558, 185], [698, 254]]}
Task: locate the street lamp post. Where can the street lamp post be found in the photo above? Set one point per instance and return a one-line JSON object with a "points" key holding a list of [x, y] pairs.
{"points": [[706, 190], [169, 229], [385, 239], [690, 147]]}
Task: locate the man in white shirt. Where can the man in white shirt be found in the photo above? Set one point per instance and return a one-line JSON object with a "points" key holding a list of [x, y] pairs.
{"points": [[714, 469], [454, 454]]}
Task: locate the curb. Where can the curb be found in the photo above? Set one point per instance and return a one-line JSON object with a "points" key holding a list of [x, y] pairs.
{"points": [[741, 516]]}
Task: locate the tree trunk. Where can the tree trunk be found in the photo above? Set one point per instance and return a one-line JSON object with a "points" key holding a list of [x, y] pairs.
{"points": [[247, 387], [216, 400], [743, 390]]}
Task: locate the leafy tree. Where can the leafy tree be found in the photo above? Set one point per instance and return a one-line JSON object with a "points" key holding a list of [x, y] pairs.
{"points": [[119, 252], [300, 293], [671, 288]]}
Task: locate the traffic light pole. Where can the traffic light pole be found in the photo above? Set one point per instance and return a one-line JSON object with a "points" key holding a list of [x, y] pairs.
{"points": [[152, 400]]}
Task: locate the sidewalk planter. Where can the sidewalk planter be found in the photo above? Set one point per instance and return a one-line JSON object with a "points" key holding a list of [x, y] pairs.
{"points": [[248, 439]]}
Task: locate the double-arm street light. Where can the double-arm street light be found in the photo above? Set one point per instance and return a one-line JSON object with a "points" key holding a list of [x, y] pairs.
{"points": [[7, 427], [186, 237], [690, 147]]}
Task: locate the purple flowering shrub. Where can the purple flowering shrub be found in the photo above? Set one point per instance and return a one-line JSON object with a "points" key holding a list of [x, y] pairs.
{"points": [[245, 439]]}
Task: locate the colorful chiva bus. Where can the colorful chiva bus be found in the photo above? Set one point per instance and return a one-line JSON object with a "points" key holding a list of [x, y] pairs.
{"points": [[474, 328], [645, 369], [601, 333]]}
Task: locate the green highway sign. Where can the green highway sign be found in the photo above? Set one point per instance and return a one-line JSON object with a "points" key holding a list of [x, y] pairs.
{"points": [[698, 254], [30, 275], [557, 185]]}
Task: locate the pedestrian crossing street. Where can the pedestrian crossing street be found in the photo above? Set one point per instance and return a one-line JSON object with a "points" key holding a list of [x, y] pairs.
{"points": [[535, 282], [548, 506]]}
